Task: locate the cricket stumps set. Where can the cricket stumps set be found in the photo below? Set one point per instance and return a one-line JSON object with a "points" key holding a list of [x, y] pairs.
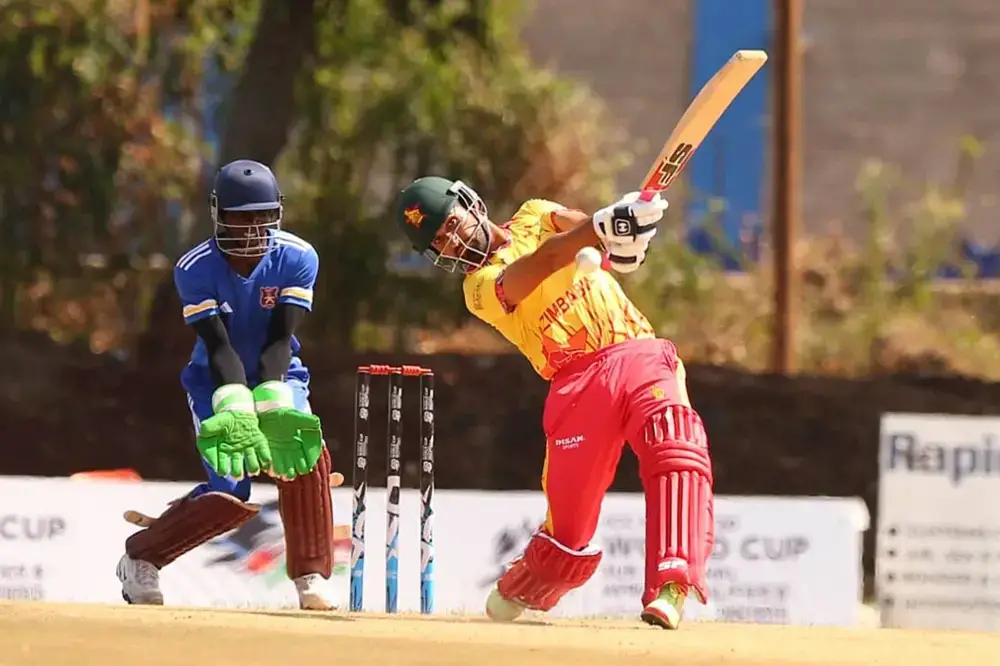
{"points": [[394, 464]]}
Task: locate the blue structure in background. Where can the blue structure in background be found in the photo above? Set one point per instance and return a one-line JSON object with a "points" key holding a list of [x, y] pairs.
{"points": [[986, 261], [729, 166]]}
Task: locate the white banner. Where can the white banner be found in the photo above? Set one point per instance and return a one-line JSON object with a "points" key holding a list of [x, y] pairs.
{"points": [[777, 560], [938, 555]]}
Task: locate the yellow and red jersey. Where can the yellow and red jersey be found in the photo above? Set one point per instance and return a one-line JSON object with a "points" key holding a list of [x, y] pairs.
{"points": [[568, 315]]}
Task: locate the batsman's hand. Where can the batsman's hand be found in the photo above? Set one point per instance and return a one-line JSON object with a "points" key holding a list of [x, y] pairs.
{"points": [[295, 440], [233, 445], [630, 220], [627, 226], [627, 258]]}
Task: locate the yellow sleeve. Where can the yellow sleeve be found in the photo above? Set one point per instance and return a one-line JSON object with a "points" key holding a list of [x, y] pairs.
{"points": [[530, 225], [540, 212], [484, 294]]}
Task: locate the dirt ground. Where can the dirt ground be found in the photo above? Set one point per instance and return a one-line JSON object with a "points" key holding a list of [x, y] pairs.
{"points": [[68, 635]]}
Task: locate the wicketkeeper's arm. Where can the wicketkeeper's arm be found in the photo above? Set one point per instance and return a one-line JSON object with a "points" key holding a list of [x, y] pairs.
{"points": [[230, 441], [295, 437], [223, 361], [277, 350]]}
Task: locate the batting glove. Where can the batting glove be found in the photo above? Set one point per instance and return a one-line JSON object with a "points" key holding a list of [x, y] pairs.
{"points": [[627, 257], [626, 227]]}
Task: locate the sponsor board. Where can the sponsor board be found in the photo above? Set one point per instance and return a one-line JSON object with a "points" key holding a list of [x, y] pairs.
{"points": [[938, 541], [776, 560]]}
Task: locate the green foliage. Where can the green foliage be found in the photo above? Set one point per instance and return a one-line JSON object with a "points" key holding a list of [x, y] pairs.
{"points": [[386, 103], [89, 161], [860, 308]]}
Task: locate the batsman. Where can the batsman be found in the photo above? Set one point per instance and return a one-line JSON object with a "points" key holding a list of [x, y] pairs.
{"points": [[611, 381], [245, 291]]}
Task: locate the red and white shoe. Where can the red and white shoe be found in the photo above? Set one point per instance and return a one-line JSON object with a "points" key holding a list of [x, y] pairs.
{"points": [[667, 609]]}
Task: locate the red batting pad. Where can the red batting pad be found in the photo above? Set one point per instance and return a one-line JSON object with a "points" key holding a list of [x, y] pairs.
{"points": [[677, 476], [546, 572]]}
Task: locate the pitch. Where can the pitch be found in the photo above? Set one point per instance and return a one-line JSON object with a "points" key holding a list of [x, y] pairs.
{"points": [[79, 635]]}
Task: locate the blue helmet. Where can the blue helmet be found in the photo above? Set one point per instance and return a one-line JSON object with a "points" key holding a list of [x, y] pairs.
{"points": [[246, 207]]}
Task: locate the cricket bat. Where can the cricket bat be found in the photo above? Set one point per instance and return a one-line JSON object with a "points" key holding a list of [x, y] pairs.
{"points": [[699, 119]]}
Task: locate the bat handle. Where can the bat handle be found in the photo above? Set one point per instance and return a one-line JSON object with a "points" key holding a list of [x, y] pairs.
{"points": [[647, 195]]}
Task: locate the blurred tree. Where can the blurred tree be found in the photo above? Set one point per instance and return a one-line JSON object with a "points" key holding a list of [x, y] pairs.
{"points": [[261, 109], [384, 92], [86, 161], [406, 89], [105, 106]]}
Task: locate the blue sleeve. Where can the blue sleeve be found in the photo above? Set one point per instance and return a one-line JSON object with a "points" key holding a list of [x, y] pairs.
{"points": [[300, 279], [197, 294]]}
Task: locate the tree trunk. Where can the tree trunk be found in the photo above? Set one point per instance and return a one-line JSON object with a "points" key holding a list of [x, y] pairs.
{"points": [[261, 109]]}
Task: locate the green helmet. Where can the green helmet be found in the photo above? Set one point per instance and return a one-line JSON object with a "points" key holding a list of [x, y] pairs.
{"points": [[424, 207]]}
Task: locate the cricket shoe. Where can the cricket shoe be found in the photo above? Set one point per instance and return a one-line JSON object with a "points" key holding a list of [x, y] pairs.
{"points": [[499, 609], [667, 609], [314, 593], [140, 582]]}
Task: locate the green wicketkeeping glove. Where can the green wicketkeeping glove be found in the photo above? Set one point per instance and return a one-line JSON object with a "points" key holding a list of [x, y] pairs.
{"points": [[295, 438], [231, 441]]}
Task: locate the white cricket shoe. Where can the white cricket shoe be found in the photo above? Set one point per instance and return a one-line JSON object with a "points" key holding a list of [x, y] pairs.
{"points": [[140, 582], [501, 610], [314, 593]]}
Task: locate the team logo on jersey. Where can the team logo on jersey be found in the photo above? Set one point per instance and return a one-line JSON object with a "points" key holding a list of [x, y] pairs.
{"points": [[268, 297], [413, 216]]}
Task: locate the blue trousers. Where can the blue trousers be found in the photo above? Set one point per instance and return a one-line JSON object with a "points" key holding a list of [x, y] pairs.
{"points": [[201, 409]]}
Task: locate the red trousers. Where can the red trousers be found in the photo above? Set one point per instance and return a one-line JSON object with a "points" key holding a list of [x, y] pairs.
{"points": [[595, 404]]}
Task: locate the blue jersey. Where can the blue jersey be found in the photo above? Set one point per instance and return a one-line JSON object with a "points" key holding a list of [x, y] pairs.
{"points": [[208, 287]]}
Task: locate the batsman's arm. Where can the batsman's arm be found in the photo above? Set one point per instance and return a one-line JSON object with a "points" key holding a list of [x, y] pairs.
{"points": [[523, 276], [276, 353], [566, 219]]}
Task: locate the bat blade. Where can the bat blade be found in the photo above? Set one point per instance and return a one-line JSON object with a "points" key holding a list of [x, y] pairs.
{"points": [[700, 116]]}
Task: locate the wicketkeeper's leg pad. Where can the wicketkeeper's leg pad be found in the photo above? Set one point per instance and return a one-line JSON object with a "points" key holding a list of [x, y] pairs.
{"points": [[677, 477], [186, 524], [307, 514], [546, 572]]}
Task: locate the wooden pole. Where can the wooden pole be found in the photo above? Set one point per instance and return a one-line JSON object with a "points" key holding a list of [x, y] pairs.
{"points": [[786, 156]]}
